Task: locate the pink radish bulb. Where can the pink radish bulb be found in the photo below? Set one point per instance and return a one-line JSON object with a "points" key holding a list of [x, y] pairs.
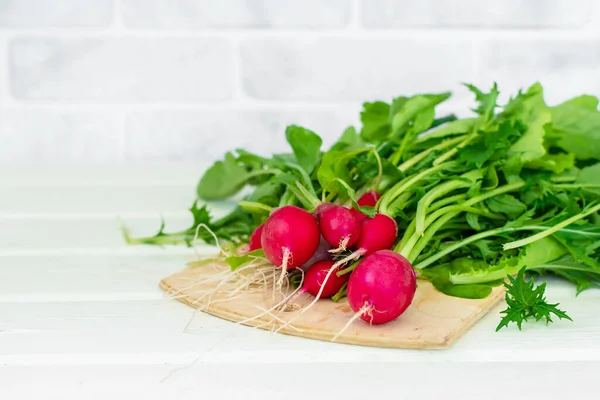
{"points": [[315, 275], [290, 237], [321, 208], [338, 226], [368, 199], [382, 287], [377, 233], [255, 238]]}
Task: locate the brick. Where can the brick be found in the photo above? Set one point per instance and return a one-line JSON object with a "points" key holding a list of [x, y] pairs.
{"points": [[341, 69], [207, 14], [55, 14], [205, 135], [41, 136], [476, 13], [566, 68], [121, 70]]}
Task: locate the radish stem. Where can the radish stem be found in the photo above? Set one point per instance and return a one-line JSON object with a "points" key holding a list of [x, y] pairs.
{"points": [[405, 166], [550, 231]]}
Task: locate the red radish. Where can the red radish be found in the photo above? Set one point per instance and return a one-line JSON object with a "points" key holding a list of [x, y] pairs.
{"points": [[254, 243], [382, 287], [377, 233], [290, 237], [315, 276], [338, 226], [322, 207], [368, 199]]}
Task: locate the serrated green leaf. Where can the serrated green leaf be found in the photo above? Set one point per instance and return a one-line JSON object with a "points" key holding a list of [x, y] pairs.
{"points": [[525, 300]]}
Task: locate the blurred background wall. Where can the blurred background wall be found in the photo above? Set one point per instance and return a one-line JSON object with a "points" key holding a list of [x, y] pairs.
{"points": [[128, 81]]}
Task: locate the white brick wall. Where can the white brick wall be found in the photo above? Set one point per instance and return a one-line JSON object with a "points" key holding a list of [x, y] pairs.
{"points": [[164, 80]]}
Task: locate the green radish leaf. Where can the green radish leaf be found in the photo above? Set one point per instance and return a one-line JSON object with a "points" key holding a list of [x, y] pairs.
{"points": [[485, 248], [525, 300], [582, 275], [490, 180], [268, 192], [489, 146], [416, 105], [469, 271], [556, 163], [439, 277], [375, 120], [583, 242], [584, 101], [487, 102], [458, 127], [349, 140], [576, 130], [224, 179], [473, 221], [506, 204], [423, 120], [237, 261], [334, 165], [589, 179], [351, 194], [531, 109], [306, 146]]}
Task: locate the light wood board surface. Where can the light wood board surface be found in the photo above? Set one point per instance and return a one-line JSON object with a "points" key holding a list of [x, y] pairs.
{"points": [[433, 320]]}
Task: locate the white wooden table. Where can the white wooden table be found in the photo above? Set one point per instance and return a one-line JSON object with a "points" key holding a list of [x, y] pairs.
{"points": [[81, 315]]}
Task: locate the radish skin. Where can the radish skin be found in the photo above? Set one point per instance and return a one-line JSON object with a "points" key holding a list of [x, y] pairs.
{"points": [[315, 277], [386, 283], [338, 226], [255, 238], [289, 238], [377, 233]]}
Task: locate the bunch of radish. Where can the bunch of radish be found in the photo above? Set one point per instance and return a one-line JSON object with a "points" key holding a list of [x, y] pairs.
{"points": [[379, 289]]}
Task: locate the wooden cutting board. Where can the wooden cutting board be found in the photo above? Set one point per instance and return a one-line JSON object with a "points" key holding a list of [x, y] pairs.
{"points": [[433, 320]]}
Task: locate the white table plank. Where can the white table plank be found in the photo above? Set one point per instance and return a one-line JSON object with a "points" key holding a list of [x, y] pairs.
{"points": [[86, 278], [185, 175], [96, 199], [155, 331], [496, 381], [88, 233]]}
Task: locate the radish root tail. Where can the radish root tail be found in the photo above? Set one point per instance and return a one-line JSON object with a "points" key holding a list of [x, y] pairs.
{"points": [[334, 267], [366, 308], [287, 255], [342, 246], [280, 305]]}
